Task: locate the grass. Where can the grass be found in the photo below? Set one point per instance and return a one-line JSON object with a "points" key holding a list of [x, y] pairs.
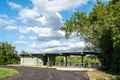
{"points": [[7, 72], [101, 75]]}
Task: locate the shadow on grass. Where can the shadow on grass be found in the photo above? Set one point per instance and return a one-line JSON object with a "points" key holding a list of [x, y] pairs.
{"points": [[115, 74], [118, 78]]}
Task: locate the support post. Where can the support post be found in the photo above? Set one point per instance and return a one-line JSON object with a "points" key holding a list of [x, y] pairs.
{"points": [[82, 59], [48, 59], [65, 60]]}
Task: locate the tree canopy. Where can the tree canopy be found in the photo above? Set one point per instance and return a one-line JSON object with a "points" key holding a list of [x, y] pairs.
{"points": [[8, 55], [101, 29]]}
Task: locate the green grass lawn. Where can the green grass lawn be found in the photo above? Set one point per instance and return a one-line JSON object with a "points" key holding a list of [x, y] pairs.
{"points": [[7, 72], [101, 75]]}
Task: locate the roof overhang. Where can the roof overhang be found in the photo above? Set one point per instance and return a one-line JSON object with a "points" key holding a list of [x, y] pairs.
{"points": [[63, 53]]}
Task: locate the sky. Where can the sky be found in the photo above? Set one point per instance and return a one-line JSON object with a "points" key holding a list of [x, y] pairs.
{"points": [[34, 25]]}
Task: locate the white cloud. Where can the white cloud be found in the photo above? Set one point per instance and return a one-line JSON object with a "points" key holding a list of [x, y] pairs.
{"points": [[50, 35], [28, 13], [45, 20], [52, 43], [11, 28], [20, 42], [42, 20], [14, 5], [34, 45], [6, 22], [53, 20], [58, 46], [33, 38], [59, 15], [3, 16], [19, 28], [21, 37], [57, 5], [41, 31], [1, 22], [47, 13], [24, 30], [42, 34], [76, 44], [64, 4], [61, 32], [24, 13]]}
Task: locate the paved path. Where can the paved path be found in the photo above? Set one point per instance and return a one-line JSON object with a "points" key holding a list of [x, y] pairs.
{"points": [[28, 73]]}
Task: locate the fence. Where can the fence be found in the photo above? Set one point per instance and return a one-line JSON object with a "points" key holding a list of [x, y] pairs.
{"points": [[90, 65]]}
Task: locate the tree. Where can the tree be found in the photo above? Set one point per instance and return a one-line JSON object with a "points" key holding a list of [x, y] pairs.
{"points": [[8, 55], [24, 52], [100, 28]]}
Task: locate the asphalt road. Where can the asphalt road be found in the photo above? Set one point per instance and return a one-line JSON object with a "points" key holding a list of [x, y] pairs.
{"points": [[29, 73]]}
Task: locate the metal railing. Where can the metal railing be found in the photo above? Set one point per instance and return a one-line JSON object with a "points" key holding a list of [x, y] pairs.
{"points": [[90, 65]]}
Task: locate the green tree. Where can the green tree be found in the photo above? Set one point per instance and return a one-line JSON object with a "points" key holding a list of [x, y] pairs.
{"points": [[8, 55], [24, 52], [101, 29]]}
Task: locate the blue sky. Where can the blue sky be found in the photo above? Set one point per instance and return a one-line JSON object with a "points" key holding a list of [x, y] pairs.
{"points": [[33, 25]]}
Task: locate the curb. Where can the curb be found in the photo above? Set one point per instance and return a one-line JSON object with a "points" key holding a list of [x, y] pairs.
{"points": [[59, 68]]}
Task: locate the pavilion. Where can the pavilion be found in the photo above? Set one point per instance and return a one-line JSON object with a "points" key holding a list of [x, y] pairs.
{"points": [[48, 59]]}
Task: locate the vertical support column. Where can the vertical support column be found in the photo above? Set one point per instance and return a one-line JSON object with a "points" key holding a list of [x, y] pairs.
{"points": [[82, 54], [51, 60], [45, 60], [22, 60], [48, 58], [65, 60], [82, 59], [54, 61]]}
